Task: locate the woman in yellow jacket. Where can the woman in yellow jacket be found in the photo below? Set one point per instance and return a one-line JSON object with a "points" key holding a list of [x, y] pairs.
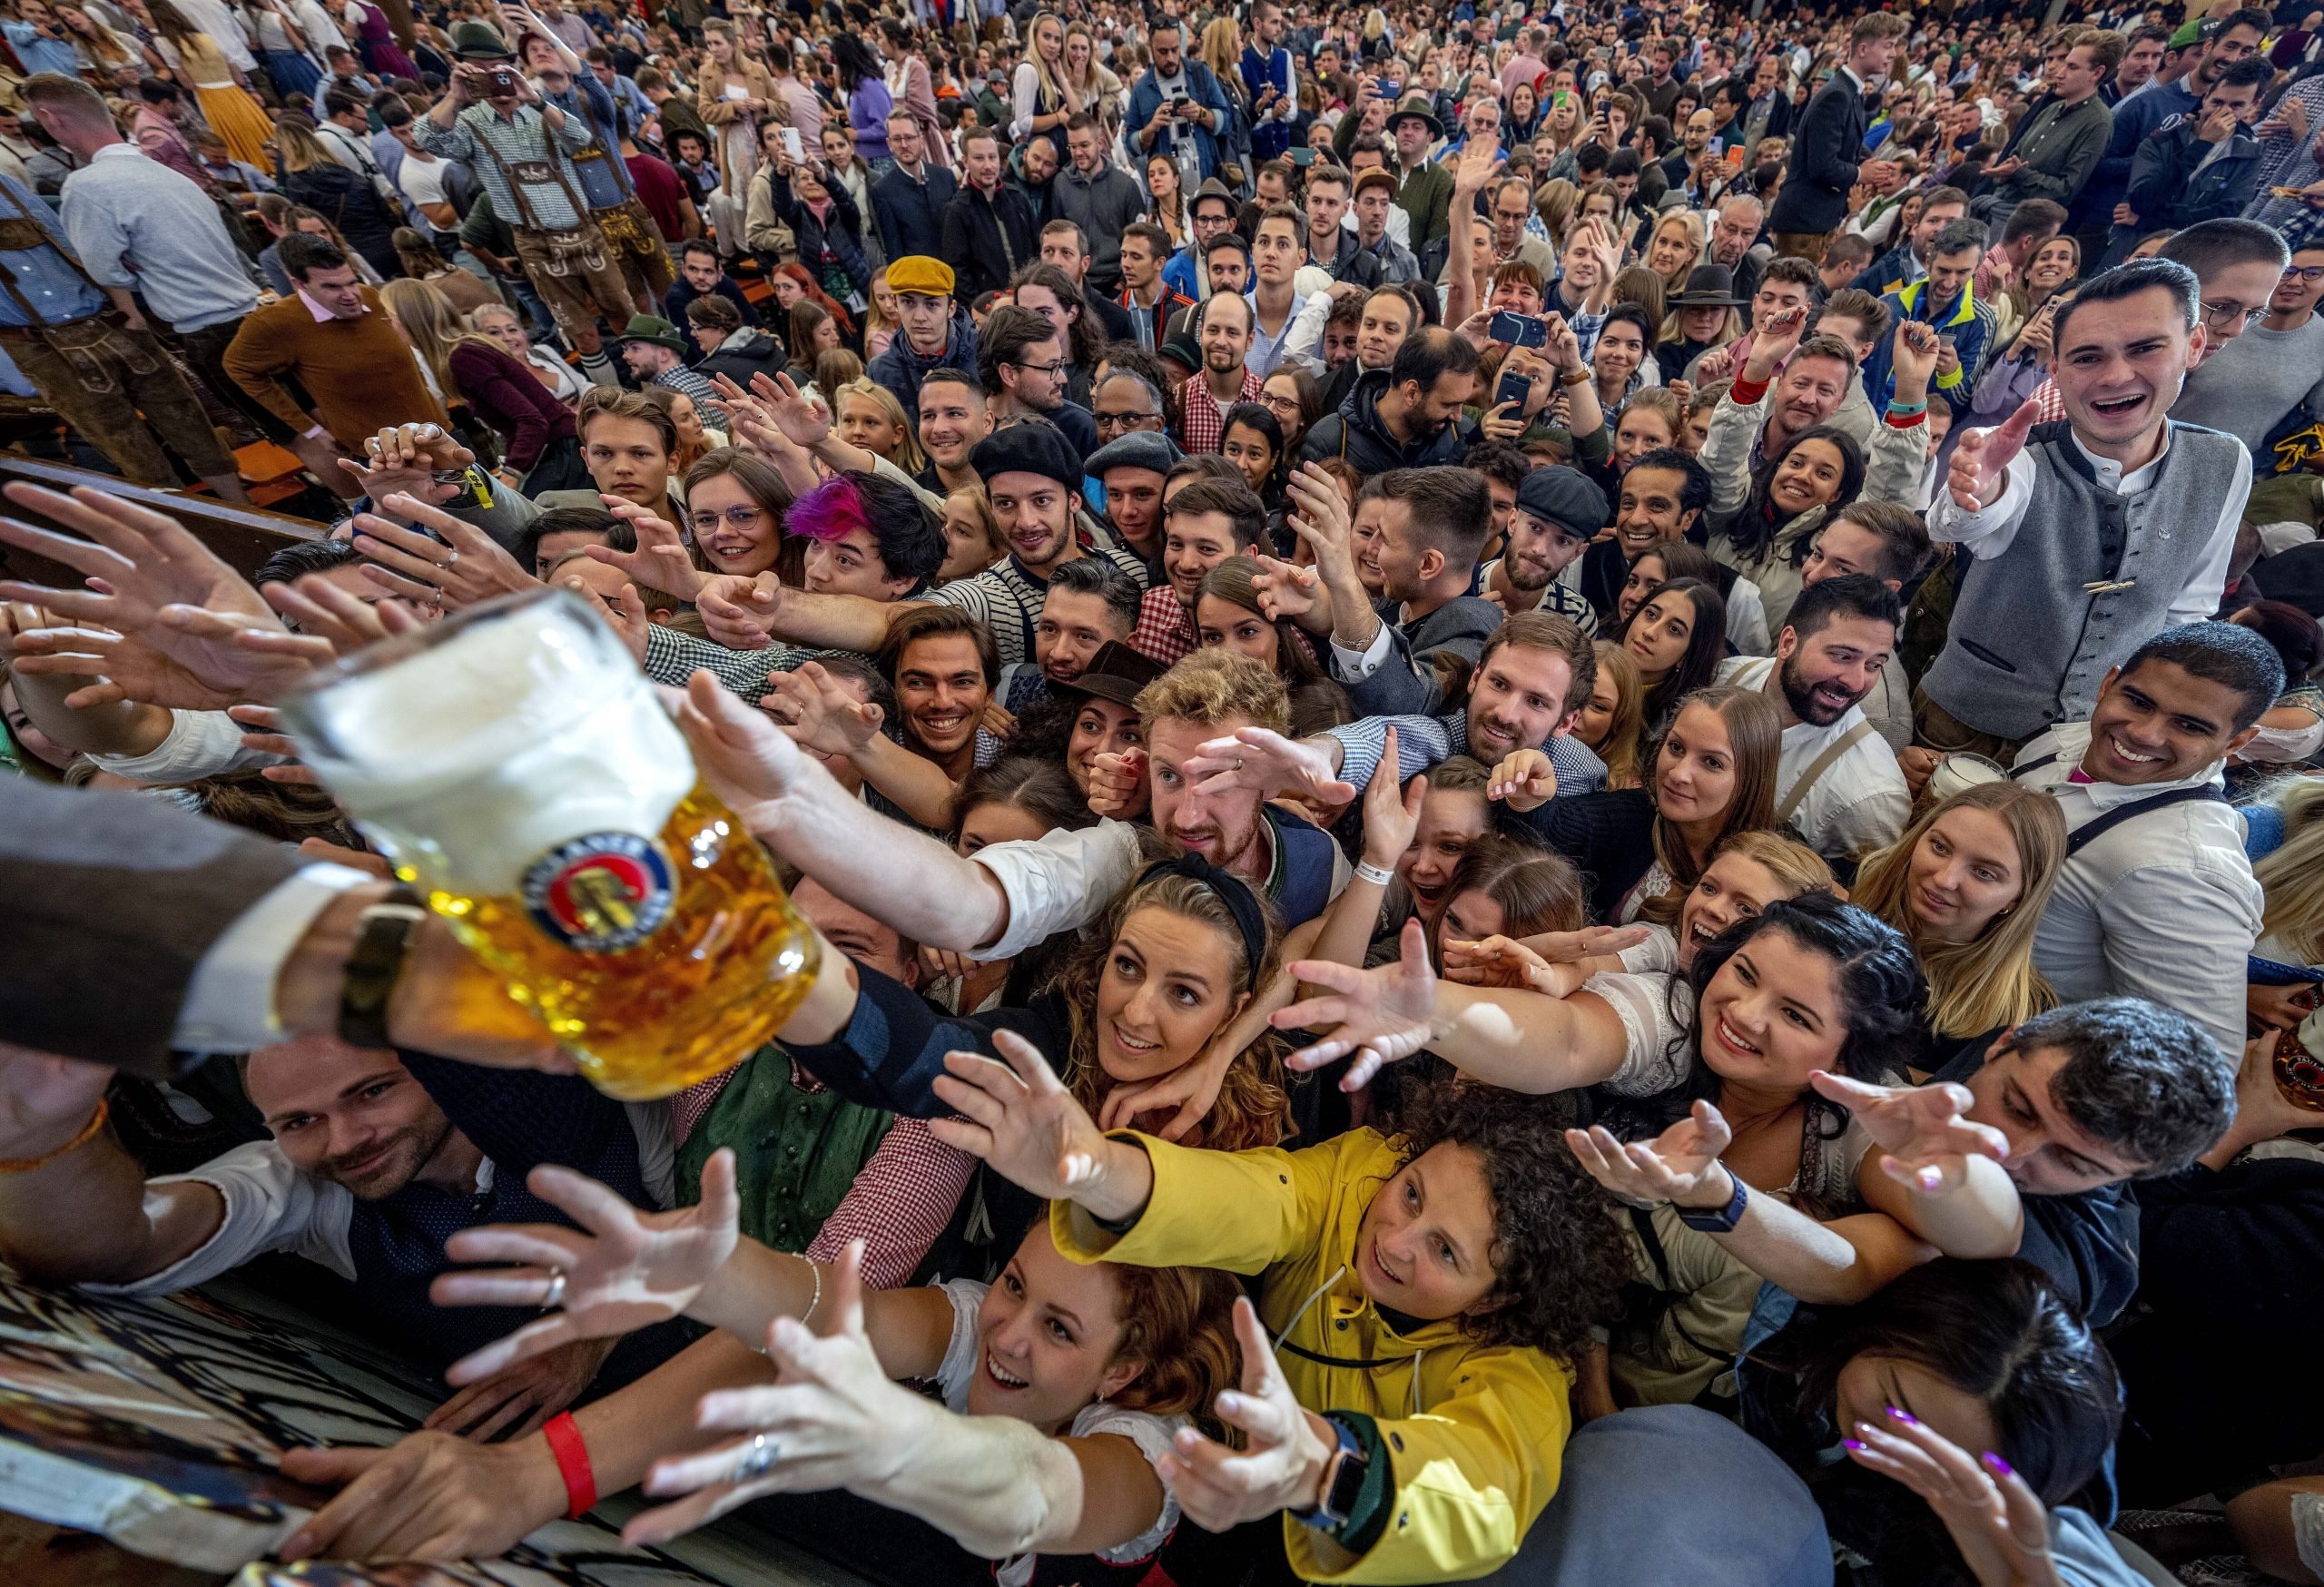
{"points": [[1425, 1294]]}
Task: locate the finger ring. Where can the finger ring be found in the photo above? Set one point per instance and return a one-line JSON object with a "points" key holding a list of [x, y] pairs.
{"points": [[556, 1289], [452, 560], [756, 1460]]}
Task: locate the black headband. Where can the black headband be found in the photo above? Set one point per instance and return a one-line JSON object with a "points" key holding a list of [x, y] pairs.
{"points": [[1233, 891]]}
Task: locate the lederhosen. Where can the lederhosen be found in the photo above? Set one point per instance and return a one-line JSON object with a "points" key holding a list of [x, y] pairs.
{"points": [[570, 256], [629, 229], [108, 363]]}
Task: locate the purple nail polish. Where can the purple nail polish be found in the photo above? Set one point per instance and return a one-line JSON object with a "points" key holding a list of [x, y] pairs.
{"points": [[1852, 1443], [1907, 1417], [1999, 1465]]}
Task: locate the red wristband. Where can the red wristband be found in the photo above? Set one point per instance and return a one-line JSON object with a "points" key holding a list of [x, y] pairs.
{"points": [[572, 1464], [1747, 391]]}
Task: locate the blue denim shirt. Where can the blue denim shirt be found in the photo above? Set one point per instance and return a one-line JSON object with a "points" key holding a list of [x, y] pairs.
{"points": [[45, 277]]}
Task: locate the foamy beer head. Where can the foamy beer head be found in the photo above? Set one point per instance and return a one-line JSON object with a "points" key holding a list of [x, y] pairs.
{"points": [[514, 763], [499, 738]]}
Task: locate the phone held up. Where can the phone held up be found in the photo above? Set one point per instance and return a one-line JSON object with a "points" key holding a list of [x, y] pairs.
{"points": [[1519, 329]]}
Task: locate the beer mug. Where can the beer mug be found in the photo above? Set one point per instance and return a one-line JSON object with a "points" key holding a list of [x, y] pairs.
{"points": [[515, 767], [1962, 770]]}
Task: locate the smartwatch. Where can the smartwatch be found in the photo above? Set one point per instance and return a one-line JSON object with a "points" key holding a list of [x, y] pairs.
{"points": [[1719, 1220], [1343, 1473], [383, 935]]}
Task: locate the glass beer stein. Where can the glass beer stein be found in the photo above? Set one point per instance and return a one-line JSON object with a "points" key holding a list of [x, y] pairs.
{"points": [[515, 766]]}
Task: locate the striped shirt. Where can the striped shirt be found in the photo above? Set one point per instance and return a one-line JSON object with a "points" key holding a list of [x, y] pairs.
{"points": [[1422, 741], [1008, 600]]}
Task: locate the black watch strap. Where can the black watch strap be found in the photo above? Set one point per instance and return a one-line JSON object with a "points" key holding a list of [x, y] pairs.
{"points": [[1721, 1220], [383, 935]]}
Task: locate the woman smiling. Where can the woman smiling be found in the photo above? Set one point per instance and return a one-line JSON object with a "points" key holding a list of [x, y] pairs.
{"points": [[1966, 883], [1678, 637]]}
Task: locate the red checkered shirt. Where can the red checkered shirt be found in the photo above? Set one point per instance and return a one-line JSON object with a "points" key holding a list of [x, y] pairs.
{"points": [[1165, 629], [1204, 425]]}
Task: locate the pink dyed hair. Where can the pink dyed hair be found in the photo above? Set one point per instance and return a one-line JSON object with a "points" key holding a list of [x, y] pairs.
{"points": [[832, 511]]}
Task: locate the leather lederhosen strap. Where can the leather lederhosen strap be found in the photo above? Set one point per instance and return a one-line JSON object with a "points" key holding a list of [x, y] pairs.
{"points": [[2089, 832], [584, 244], [1822, 763]]}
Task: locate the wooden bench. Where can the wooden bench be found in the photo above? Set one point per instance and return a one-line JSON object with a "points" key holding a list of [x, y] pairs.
{"points": [[243, 537]]}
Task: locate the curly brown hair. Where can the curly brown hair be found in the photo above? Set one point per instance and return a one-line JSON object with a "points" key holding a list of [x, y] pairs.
{"points": [[1252, 1109], [1557, 1257]]}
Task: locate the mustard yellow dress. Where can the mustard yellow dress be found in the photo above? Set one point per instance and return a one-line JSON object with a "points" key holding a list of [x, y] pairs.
{"points": [[229, 108]]}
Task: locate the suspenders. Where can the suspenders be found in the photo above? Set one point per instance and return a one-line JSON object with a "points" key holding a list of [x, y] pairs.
{"points": [[2091, 830]]}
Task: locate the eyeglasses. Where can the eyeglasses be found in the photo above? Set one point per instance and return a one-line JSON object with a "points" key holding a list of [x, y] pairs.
{"points": [[1124, 420], [1058, 368], [740, 517], [2220, 316], [2304, 272]]}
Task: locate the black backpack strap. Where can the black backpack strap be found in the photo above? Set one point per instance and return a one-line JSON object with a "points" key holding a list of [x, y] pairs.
{"points": [[2093, 830]]}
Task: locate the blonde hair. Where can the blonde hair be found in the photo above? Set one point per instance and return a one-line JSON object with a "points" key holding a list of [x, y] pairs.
{"points": [[1054, 80], [1555, 203], [1975, 986], [298, 149], [1621, 749], [1692, 223], [1252, 1108], [1790, 862], [1213, 686], [433, 326], [908, 455], [2293, 877], [1222, 47]]}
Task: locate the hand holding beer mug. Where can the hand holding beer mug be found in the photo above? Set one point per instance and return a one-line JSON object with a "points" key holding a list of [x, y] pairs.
{"points": [[517, 767]]}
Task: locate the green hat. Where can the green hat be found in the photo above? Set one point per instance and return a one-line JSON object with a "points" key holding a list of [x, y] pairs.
{"points": [[660, 332], [477, 41]]}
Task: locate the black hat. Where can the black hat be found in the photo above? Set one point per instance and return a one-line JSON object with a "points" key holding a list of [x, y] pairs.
{"points": [[1708, 286], [1566, 497], [1032, 446], [1115, 672], [1181, 349], [1140, 449]]}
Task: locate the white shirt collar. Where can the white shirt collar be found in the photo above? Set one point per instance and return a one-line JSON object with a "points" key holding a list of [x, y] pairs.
{"points": [[2109, 472], [320, 313], [2071, 741]]}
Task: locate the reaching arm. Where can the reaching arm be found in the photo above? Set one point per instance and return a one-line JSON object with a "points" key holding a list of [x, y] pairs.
{"points": [[86, 1215]]}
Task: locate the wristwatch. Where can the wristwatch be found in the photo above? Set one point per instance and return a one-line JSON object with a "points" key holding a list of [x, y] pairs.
{"points": [[1721, 1220], [383, 935], [1343, 1473]]}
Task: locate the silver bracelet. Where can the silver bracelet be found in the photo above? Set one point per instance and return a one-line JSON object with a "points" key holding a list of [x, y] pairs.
{"points": [[1365, 871]]}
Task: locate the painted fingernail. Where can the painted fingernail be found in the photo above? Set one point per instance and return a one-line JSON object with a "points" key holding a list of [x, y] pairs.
{"points": [[1907, 1417], [1852, 1443], [1932, 1178], [2000, 1466]]}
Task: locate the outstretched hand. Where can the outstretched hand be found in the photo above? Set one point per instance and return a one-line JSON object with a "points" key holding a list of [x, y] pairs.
{"points": [[1979, 472], [1379, 1016], [1269, 763], [1997, 1522], [1680, 1165], [1018, 1116], [622, 1269], [1283, 1452], [1925, 1137]]}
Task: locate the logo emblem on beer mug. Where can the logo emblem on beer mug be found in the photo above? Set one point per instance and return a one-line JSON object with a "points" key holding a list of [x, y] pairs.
{"points": [[600, 894]]}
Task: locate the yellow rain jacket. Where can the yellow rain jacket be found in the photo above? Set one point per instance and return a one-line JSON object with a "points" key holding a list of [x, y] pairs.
{"points": [[1475, 1434]]}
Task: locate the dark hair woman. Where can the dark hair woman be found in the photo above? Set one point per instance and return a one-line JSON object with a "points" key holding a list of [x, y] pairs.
{"points": [[1677, 636]]}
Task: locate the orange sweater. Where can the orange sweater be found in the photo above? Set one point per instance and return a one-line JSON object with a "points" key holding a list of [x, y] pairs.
{"points": [[360, 374]]}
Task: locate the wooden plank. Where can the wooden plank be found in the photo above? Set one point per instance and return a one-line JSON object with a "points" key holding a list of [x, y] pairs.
{"points": [[243, 536]]}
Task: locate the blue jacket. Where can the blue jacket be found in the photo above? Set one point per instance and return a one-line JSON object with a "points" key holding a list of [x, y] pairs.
{"points": [[1204, 90], [1269, 138], [910, 215], [1966, 322], [901, 370]]}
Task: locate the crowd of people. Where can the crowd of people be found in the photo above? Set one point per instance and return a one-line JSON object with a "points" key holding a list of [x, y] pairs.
{"points": [[1558, 768]]}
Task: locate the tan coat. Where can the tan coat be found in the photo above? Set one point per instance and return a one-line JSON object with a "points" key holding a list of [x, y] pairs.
{"points": [[718, 111]]}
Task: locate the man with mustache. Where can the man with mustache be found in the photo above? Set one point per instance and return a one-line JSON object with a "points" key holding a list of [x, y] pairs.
{"points": [[1837, 779], [1558, 511]]}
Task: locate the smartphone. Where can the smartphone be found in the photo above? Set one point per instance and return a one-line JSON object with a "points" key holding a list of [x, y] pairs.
{"points": [[1735, 156], [1519, 329], [501, 79], [1390, 90], [1303, 155], [1559, 100], [1514, 386], [792, 145], [1717, 147]]}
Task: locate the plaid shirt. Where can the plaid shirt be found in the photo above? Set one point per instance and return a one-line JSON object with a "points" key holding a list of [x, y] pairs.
{"points": [[480, 132], [1165, 629], [1204, 426]]}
